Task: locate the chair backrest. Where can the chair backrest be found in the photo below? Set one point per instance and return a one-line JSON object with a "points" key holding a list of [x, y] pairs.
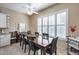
{"points": [[20, 36], [54, 42], [37, 34], [45, 36], [53, 45], [25, 33]]}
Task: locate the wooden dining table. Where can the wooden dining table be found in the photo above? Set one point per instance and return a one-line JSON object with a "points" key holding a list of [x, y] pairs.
{"points": [[38, 44]]}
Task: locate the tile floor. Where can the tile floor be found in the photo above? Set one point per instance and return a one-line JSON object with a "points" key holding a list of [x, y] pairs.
{"points": [[15, 49]]}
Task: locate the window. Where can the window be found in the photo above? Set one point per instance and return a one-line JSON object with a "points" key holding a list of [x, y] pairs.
{"points": [[54, 25], [40, 25], [44, 24], [61, 24], [21, 27], [51, 25]]}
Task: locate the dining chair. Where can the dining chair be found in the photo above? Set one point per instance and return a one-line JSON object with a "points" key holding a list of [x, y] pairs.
{"points": [[20, 38], [45, 36], [52, 47], [24, 42], [17, 36], [37, 34], [33, 47]]}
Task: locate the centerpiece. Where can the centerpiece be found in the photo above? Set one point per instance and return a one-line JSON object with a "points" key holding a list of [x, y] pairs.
{"points": [[72, 29]]}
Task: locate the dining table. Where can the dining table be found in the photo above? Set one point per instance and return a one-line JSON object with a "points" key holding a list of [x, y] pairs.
{"points": [[39, 45]]}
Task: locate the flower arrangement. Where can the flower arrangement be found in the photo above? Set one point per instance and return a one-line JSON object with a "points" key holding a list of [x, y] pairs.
{"points": [[72, 29]]}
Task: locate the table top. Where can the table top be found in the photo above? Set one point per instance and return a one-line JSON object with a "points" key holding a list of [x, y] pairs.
{"points": [[40, 43], [34, 40]]}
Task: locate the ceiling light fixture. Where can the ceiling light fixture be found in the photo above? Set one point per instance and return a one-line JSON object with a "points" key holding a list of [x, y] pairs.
{"points": [[31, 10]]}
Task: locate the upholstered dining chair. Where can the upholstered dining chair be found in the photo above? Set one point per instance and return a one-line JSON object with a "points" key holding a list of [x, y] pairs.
{"points": [[37, 34], [52, 47], [20, 38], [33, 48], [24, 42]]}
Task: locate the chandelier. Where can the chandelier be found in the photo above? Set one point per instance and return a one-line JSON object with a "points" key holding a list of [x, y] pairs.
{"points": [[30, 9]]}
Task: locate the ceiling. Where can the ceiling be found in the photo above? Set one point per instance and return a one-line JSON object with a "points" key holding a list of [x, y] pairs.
{"points": [[23, 7]]}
